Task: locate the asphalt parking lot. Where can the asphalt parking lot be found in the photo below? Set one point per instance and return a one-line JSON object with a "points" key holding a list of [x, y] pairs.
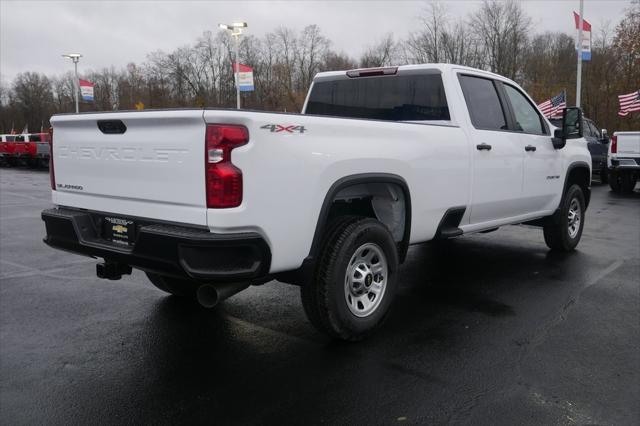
{"points": [[490, 328]]}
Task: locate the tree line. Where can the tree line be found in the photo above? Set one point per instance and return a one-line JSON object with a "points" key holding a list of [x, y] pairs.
{"points": [[496, 36]]}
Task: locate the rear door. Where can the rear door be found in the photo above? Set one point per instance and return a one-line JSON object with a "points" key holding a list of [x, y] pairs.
{"points": [[497, 153], [542, 162]]}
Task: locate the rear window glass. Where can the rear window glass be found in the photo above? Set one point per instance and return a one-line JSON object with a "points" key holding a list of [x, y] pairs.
{"points": [[393, 98], [34, 138]]}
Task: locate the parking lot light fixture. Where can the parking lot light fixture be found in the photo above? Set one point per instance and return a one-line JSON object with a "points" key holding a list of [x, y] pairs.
{"points": [[236, 31], [75, 57]]}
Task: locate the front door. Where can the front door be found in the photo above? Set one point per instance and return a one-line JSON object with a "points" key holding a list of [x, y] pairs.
{"points": [[542, 163]]}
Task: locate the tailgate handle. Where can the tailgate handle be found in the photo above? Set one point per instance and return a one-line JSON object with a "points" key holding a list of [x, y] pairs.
{"points": [[112, 127]]}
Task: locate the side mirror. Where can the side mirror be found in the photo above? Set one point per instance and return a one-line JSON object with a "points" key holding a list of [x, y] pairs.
{"points": [[605, 135], [572, 123], [558, 139], [571, 127]]}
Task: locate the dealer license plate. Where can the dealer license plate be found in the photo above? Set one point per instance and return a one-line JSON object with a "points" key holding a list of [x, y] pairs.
{"points": [[119, 230]]}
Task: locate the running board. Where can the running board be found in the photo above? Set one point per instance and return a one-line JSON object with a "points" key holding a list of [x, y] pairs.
{"points": [[450, 233]]}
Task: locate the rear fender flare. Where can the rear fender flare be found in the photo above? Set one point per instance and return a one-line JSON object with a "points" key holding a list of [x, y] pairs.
{"points": [[357, 179]]}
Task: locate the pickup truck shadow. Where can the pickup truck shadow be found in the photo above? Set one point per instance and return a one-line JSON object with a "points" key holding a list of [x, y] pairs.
{"points": [[470, 275], [254, 364], [635, 195]]}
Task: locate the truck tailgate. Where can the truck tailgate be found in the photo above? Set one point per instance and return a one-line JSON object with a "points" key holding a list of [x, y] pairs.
{"points": [[629, 144], [153, 169]]}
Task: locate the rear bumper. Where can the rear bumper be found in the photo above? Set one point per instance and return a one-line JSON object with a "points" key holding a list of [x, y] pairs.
{"points": [[165, 249], [621, 163]]}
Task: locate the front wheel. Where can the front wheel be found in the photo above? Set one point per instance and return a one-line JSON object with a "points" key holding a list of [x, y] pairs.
{"points": [[565, 235], [354, 282]]}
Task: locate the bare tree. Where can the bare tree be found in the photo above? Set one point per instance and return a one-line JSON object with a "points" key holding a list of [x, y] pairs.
{"points": [[333, 61], [502, 28], [33, 99], [381, 54], [312, 46], [426, 45]]}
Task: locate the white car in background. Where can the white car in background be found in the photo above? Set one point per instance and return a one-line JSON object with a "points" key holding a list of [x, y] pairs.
{"points": [[623, 161]]}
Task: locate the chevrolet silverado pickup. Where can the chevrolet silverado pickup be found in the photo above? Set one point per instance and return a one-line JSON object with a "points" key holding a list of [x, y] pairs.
{"points": [[623, 161], [207, 202]]}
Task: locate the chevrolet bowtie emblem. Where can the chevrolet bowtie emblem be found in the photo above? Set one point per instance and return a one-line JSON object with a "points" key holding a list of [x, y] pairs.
{"points": [[119, 229]]}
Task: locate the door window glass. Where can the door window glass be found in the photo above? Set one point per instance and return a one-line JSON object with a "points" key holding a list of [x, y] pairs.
{"points": [[527, 117], [483, 103]]}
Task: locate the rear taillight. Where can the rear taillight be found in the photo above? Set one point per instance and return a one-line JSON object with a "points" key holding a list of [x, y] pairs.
{"points": [[52, 174], [223, 179], [614, 144]]}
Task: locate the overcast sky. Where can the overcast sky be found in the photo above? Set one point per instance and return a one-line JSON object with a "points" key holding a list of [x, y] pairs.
{"points": [[33, 34]]}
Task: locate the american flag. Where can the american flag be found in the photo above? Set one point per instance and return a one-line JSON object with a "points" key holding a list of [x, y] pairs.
{"points": [[553, 107], [629, 103]]}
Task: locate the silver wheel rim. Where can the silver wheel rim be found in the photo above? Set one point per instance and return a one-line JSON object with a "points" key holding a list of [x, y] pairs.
{"points": [[366, 280], [574, 218]]}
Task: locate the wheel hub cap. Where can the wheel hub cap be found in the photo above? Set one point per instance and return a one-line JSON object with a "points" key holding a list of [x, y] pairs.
{"points": [[365, 280], [573, 218]]}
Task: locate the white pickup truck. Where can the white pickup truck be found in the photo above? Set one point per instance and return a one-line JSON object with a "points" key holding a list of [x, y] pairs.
{"points": [[623, 161], [210, 201]]}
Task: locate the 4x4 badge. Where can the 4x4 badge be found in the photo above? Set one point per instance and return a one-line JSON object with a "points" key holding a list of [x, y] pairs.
{"points": [[277, 128]]}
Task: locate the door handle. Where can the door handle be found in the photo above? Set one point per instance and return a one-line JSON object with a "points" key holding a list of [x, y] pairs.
{"points": [[529, 148], [483, 147]]}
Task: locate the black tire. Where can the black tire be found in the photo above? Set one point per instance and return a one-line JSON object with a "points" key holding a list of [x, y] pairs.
{"points": [[324, 297], [628, 183], [604, 175], [615, 183], [622, 182], [560, 236], [175, 286]]}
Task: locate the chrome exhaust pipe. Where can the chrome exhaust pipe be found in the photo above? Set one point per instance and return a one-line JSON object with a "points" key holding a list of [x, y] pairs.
{"points": [[209, 295]]}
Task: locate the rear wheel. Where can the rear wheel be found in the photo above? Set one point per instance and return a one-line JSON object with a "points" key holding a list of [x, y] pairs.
{"points": [[354, 283], [622, 182], [629, 183], [175, 286], [565, 235]]}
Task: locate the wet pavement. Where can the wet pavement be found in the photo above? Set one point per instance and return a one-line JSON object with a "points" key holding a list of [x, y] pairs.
{"points": [[489, 328]]}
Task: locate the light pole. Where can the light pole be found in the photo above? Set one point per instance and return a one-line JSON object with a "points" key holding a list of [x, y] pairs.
{"points": [[75, 57], [236, 31], [579, 70]]}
